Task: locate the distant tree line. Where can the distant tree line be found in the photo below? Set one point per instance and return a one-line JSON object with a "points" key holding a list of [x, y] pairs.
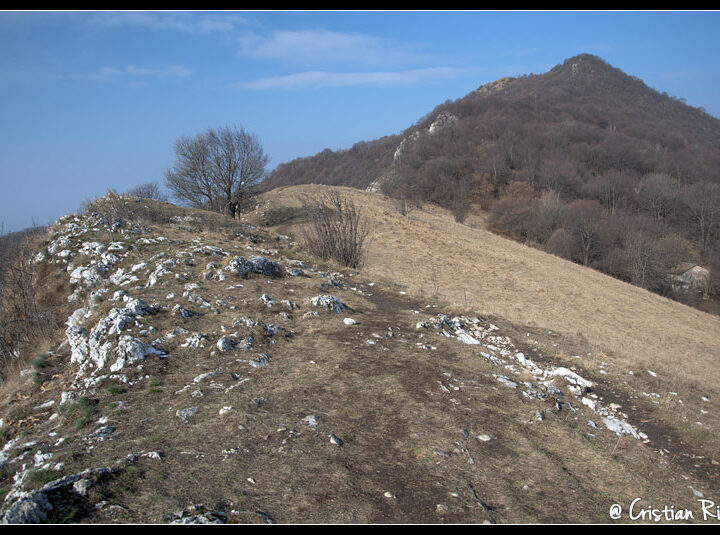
{"points": [[357, 167], [148, 190]]}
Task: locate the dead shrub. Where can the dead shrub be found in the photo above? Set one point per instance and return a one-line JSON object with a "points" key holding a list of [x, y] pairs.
{"points": [[336, 228], [26, 312]]}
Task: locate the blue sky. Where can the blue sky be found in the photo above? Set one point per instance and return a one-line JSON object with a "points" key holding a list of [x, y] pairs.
{"points": [[94, 100]]}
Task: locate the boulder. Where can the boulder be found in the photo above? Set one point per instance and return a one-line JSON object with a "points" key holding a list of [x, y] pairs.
{"points": [[255, 264], [328, 301]]}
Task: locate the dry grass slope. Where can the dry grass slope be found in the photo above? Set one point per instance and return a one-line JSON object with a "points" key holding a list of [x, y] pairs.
{"points": [[474, 269], [655, 355]]}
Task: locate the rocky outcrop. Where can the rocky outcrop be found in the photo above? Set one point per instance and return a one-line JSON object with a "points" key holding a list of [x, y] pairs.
{"points": [[688, 277], [68, 493], [501, 351], [442, 120], [254, 264]]}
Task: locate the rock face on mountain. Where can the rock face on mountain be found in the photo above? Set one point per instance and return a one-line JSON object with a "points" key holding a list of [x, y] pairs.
{"points": [[442, 120]]}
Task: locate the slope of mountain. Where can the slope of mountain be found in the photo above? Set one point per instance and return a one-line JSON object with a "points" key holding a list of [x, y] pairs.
{"points": [[211, 371], [583, 161], [601, 116]]}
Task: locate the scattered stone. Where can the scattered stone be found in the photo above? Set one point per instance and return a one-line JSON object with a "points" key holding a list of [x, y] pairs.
{"points": [[619, 427], [180, 311], [131, 350], [261, 362], [258, 402], [102, 433], [505, 381], [294, 272], [196, 515], [196, 341], [572, 377], [311, 420], [328, 301], [82, 486], [255, 264], [226, 344], [203, 376], [186, 414]]}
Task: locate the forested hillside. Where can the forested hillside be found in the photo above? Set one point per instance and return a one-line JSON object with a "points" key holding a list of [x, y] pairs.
{"points": [[583, 161]]}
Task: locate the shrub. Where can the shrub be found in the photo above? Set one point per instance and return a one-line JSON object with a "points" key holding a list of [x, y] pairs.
{"points": [[336, 230], [26, 312], [148, 190], [40, 361]]}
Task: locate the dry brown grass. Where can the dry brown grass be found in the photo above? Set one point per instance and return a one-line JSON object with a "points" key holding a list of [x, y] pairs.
{"points": [[476, 270], [402, 432]]}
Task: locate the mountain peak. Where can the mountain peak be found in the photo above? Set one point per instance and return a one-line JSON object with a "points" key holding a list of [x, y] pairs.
{"points": [[587, 58], [586, 64]]}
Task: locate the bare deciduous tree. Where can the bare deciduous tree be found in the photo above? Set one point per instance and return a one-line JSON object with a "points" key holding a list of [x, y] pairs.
{"points": [[702, 208], [404, 193], [609, 188], [190, 180], [217, 169], [23, 316], [238, 163], [583, 220], [658, 194]]}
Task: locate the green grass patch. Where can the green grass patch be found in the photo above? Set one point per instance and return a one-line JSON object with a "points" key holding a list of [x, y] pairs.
{"points": [[77, 413], [40, 361], [43, 477], [116, 389]]}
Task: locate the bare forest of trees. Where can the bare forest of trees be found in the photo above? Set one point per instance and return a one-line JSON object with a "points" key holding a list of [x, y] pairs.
{"points": [[583, 161]]}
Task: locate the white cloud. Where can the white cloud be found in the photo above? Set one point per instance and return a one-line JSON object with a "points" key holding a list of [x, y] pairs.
{"points": [[133, 71], [173, 21], [324, 47], [175, 71], [316, 79]]}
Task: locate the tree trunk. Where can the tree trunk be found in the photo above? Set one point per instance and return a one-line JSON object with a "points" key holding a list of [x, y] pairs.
{"points": [[232, 208]]}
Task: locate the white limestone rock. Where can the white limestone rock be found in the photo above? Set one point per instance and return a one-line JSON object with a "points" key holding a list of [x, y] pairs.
{"points": [[328, 301], [132, 350]]}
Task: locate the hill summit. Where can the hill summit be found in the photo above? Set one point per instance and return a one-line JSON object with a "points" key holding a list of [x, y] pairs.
{"points": [[583, 93]]}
